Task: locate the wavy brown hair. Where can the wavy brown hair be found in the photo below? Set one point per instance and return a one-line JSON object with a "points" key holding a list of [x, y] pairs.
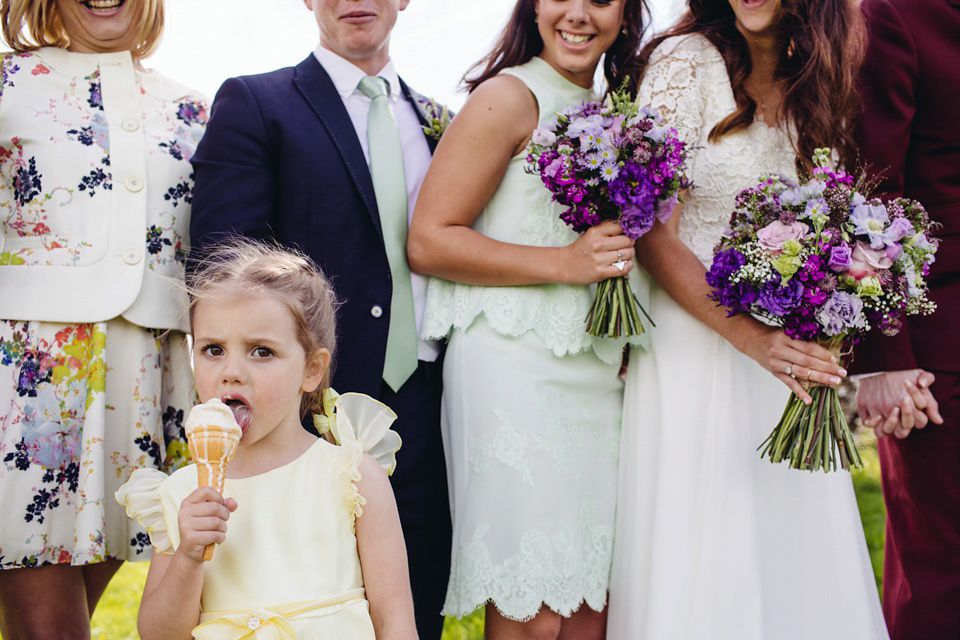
{"points": [[821, 45], [520, 41]]}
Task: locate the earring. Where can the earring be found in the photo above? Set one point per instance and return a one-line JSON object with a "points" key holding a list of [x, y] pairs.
{"points": [[623, 30]]}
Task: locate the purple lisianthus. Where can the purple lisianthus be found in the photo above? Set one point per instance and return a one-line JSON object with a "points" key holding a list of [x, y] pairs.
{"points": [[779, 299], [898, 229], [544, 137], [841, 313], [665, 207], [839, 259]]}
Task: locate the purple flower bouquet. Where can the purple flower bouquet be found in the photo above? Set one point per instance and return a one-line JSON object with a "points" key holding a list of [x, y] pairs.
{"points": [[610, 162], [826, 264]]}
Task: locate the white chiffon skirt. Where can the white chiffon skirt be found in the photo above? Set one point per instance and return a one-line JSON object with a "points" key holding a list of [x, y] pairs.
{"points": [[713, 542]]}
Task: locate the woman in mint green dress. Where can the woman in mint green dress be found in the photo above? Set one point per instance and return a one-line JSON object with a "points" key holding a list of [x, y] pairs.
{"points": [[532, 403]]}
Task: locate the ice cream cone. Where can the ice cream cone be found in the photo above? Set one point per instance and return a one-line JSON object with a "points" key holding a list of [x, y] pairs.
{"points": [[212, 436]]}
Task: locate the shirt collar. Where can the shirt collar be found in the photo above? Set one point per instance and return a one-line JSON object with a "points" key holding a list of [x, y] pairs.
{"points": [[346, 75]]}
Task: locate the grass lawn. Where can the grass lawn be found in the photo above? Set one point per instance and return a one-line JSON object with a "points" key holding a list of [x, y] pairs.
{"points": [[116, 616]]}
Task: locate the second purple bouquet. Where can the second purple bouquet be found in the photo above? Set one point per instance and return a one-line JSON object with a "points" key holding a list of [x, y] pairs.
{"points": [[827, 264], [611, 161]]}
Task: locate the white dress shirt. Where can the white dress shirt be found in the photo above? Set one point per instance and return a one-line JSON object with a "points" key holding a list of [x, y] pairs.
{"points": [[416, 152]]}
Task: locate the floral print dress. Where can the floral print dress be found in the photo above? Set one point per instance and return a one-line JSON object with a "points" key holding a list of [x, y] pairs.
{"points": [[84, 403]]}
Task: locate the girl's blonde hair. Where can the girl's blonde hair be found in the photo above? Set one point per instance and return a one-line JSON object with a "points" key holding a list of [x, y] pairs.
{"points": [[239, 267], [31, 24]]}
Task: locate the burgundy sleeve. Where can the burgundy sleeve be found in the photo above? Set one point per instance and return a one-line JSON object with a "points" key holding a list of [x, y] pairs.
{"points": [[888, 87]]}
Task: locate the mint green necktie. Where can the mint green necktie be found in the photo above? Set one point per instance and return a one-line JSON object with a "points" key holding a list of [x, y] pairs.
{"points": [[390, 187]]}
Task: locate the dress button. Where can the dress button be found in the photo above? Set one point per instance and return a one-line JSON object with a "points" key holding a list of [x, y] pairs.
{"points": [[130, 125], [131, 256], [133, 183], [376, 311]]}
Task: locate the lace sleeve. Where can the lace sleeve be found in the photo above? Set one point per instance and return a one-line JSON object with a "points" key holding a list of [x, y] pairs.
{"points": [[673, 83]]}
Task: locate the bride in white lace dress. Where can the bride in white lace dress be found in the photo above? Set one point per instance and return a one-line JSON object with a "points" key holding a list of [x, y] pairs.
{"points": [[712, 541]]}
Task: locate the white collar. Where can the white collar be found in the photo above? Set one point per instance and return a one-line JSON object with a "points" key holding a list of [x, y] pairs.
{"points": [[346, 75]]}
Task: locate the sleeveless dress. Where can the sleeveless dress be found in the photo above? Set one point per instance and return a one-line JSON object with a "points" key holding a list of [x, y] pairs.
{"points": [[83, 404], [531, 413], [289, 567], [713, 541]]}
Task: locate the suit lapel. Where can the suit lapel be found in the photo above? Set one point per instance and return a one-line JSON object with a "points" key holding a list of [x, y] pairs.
{"points": [[318, 90], [415, 99]]}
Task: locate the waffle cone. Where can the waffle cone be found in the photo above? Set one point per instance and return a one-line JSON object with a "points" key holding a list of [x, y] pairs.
{"points": [[212, 447]]}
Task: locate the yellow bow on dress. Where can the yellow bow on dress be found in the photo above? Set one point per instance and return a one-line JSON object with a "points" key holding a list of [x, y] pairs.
{"points": [[257, 624]]}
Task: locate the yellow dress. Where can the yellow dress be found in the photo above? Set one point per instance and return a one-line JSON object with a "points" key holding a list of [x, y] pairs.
{"points": [[289, 567]]}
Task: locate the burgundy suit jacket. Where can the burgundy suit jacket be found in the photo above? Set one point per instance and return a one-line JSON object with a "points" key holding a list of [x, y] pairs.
{"points": [[909, 138]]}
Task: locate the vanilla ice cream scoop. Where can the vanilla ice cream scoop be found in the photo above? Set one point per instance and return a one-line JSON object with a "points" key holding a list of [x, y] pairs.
{"points": [[212, 436]]}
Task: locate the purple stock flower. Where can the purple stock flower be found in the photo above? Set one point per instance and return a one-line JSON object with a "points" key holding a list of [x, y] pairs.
{"points": [[780, 300]]}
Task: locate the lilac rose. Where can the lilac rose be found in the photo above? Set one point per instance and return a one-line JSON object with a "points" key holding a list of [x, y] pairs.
{"points": [[866, 261], [774, 235]]}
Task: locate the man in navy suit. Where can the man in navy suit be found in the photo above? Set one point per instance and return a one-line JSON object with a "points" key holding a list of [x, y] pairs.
{"points": [[286, 157], [909, 138]]}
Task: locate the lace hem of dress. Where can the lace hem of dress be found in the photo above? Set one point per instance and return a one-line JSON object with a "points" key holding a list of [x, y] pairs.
{"points": [[560, 571]]}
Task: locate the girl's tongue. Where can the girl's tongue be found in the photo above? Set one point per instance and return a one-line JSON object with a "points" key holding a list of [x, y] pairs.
{"points": [[241, 413]]}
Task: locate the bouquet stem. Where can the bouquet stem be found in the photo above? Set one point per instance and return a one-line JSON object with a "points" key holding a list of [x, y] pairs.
{"points": [[809, 437], [616, 312]]}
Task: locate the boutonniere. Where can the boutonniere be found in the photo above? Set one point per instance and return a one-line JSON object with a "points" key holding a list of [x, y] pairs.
{"points": [[437, 117]]}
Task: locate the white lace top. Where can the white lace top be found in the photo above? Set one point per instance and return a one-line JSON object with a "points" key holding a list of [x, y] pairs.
{"points": [[687, 80], [521, 212]]}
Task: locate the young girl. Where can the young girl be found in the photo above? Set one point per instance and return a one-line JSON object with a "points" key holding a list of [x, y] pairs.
{"points": [[314, 546]]}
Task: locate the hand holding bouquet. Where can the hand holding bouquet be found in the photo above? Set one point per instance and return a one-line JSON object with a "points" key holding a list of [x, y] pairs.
{"points": [[610, 162], [826, 264]]}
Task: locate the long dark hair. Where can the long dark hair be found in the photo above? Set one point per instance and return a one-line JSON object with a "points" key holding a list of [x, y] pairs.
{"points": [[520, 41], [821, 46]]}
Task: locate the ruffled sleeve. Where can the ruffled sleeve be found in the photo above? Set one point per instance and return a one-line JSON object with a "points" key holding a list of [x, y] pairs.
{"points": [[358, 418], [140, 496]]}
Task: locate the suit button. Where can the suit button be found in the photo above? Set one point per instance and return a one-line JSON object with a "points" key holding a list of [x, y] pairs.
{"points": [[133, 184], [130, 124], [376, 311], [131, 256]]}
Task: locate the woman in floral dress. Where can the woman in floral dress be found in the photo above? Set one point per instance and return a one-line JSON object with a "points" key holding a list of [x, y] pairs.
{"points": [[95, 191]]}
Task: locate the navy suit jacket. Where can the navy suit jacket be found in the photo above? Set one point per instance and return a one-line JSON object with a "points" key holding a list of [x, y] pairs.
{"points": [[280, 159], [909, 138]]}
